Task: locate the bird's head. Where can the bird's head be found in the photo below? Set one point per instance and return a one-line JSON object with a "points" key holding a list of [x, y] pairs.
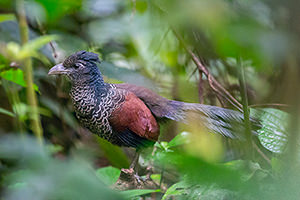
{"points": [[79, 67]]}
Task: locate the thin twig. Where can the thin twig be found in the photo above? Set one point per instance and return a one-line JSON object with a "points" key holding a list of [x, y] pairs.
{"points": [[200, 87], [214, 84], [193, 72]]}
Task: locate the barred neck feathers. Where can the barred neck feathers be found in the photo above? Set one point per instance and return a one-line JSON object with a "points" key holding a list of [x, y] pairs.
{"points": [[89, 89], [91, 79]]}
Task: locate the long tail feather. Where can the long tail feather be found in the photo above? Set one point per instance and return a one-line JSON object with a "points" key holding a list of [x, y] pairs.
{"points": [[223, 121]]}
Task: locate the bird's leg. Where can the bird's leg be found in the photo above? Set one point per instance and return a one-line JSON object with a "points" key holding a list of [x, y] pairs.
{"points": [[133, 166], [150, 166], [135, 161], [130, 179]]}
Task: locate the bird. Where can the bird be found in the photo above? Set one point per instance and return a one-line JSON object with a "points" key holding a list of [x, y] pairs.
{"points": [[129, 115]]}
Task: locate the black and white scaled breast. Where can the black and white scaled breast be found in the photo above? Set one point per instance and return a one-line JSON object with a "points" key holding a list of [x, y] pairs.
{"points": [[94, 104]]}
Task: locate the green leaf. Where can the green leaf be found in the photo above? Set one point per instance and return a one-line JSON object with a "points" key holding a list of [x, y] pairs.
{"points": [[273, 133], [108, 175], [133, 193], [16, 76], [180, 139], [6, 112], [7, 17], [176, 189], [156, 177]]}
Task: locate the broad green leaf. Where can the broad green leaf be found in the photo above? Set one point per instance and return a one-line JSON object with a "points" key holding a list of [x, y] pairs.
{"points": [[6, 112], [133, 193], [16, 76], [7, 17], [108, 175], [176, 189], [180, 139], [273, 133]]}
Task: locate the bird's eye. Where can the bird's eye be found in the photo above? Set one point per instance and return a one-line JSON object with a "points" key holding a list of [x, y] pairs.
{"points": [[77, 65]]}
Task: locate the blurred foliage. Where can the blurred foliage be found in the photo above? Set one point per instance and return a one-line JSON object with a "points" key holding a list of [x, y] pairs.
{"points": [[148, 43]]}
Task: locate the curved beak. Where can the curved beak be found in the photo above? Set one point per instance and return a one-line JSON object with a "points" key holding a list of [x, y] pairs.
{"points": [[58, 69]]}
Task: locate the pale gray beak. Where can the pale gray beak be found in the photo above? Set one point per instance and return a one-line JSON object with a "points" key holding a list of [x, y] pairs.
{"points": [[58, 69]]}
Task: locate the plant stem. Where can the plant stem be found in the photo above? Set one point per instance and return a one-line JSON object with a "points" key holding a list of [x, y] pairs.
{"points": [[34, 117], [245, 104]]}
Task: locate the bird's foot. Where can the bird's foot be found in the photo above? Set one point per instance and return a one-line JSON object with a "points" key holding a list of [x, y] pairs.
{"points": [[129, 179]]}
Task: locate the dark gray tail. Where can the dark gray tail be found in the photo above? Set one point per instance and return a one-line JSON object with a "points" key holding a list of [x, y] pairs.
{"points": [[223, 121]]}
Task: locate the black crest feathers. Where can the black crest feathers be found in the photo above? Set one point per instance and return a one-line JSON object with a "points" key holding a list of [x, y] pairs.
{"points": [[81, 55]]}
